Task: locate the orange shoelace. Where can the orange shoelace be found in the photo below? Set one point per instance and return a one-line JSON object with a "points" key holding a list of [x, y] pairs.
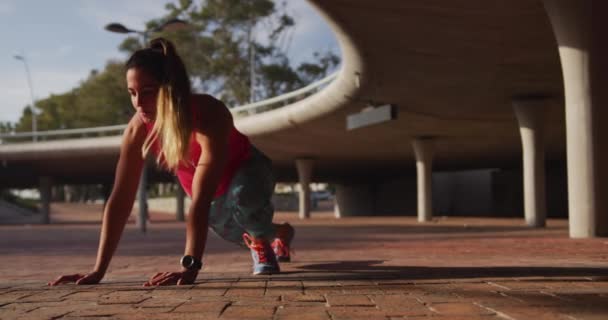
{"points": [[282, 249], [256, 245]]}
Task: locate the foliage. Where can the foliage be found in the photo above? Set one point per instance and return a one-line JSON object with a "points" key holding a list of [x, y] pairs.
{"points": [[220, 46], [218, 49], [100, 100]]}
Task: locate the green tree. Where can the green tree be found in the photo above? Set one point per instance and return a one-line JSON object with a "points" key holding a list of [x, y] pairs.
{"points": [[219, 49], [99, 100], [6, 127]]}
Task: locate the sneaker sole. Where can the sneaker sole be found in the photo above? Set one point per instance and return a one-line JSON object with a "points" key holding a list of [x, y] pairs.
{"points": [[266, 272]]}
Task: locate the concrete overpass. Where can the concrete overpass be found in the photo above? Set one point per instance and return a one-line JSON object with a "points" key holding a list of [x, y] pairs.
{"points": [[472, 80]]}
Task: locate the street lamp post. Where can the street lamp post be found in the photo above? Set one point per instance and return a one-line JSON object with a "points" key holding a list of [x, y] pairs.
{"points": [[29, 83], [173, 24]]}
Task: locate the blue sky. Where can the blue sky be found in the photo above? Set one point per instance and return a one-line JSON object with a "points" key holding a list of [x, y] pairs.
{"points": [[64, 39]]}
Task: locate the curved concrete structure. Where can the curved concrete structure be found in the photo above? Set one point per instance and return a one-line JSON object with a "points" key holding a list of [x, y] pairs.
{"points": [[444, 68], [453, 69]]}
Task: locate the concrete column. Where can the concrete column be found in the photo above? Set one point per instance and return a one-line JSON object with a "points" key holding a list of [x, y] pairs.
{"points": [[143, 200], [304, 167], [45, 186], [423, 148], [354, 200], [579, 27], [529, 112], [180, 197]]}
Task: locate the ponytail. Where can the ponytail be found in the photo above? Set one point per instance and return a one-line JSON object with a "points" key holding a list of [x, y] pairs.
{"points": [[173, 126]]}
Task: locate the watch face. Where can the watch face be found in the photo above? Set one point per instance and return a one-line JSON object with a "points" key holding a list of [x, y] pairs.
{"points": [[190, 262], [187, 261]]}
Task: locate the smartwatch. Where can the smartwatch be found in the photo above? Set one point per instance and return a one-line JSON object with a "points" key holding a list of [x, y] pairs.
{"points": [[191, 263]]}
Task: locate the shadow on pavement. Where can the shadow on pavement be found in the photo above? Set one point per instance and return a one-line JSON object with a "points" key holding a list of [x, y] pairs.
{"points": [[373, 269]]}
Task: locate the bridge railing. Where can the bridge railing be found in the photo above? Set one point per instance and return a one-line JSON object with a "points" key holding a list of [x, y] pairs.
{"points": [[238, 112]]}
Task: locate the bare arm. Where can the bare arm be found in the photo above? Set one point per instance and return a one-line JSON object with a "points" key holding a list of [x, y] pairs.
{"points": [[119, 204], [213, 139]]}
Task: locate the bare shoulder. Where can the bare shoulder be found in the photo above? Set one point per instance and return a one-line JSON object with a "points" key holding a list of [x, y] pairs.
{"points": [[214, 113]]}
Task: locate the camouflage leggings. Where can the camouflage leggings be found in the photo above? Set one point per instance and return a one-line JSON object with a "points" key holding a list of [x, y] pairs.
{"points": [[246, 206]]}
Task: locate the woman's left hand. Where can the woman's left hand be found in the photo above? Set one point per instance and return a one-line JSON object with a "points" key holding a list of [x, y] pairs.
{"points": [[172, 278]]}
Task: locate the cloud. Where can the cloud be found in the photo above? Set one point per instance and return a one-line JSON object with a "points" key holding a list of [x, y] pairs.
{"points": [[311, 33], [64, 50], [16, 94], [7, 8]]}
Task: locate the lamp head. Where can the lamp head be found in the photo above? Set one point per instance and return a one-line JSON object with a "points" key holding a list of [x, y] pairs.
{"points": [[118, 28]]}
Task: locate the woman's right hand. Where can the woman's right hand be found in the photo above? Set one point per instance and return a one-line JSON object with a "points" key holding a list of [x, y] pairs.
{"points": [[89, 278]]}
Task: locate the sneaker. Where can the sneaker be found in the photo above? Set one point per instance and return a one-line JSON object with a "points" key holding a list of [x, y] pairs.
{"points": [[282, 243], [264, 260]]}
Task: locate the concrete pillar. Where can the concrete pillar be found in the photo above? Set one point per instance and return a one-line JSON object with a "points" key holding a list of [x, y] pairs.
{"points": [[354, 200], [180, 196], [304, 167], [423, 148], [142, 193], [45, 186], [579, 28], [529, 112]]}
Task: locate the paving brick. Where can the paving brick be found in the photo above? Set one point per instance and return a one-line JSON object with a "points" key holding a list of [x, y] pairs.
{"points": [[459, 308], [531, 312], [530, 285], [323, 290], [349, 300], [248, 312], [123, 297], [266, 301], [93, 310], [19, 307], [85, 295], [532, 298], [13, 296], [522, 274], [47, 296], [245, 292], [400, 306], [284, 284], [155, 302], [438, 297], [316, 284], [583, 299], [281, 291], [304, 298], [52, 312], [367, 313], [302, 313], [207, 292], [163, 316], [172, 294], [210, 307], [249, 284]]}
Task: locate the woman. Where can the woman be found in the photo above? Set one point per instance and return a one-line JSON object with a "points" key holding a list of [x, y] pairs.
{"points": [[229, 180]]}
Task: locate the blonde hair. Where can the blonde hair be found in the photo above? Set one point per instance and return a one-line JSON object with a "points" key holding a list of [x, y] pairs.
{"points": [[172, 128]]}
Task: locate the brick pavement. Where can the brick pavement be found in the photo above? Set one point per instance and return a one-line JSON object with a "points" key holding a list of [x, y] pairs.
{"points": [[356, 268]]}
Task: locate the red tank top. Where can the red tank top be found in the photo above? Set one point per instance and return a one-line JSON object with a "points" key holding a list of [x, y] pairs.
{"points": [[238, 153]]}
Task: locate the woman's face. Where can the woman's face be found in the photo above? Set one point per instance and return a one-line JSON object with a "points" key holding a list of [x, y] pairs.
{"points": [[143, 89]]}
